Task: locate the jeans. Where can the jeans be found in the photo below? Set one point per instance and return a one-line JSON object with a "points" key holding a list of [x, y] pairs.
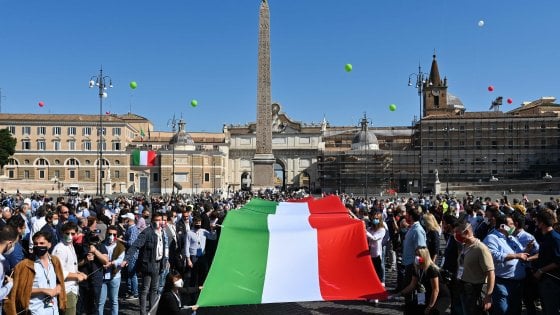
{"points": [[110, 288], [150, 281], [506, 298], [379, 268], [132, 280], [549, 290], [162, 279]]}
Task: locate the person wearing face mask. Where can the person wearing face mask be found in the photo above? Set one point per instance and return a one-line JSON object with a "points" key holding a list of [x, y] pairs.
{"points": [[375, 234], [195, 247], [38, 282], [67, 255], [415, 237], [430, 295], [130, 237], [170, 302], [111, 271], [475, 268], [151, 247], [183, 225], [50, 227], [508, 256], [16, 254], [8, 239]]}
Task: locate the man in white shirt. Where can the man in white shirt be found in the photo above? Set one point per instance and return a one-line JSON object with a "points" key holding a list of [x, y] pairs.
{"points": [[65, 252]]}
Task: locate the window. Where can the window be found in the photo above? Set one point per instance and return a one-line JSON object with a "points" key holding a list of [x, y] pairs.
{"points": [[446, 144], [116, 146], [104, 145], [72, 145], [72, 174], [478, 146], [462, 129], [86, 131], [57, 131], [12, 129], [87, 145], [42, 174], [11, 173], [494, 144], [510, 144], [526, 144], [57, 162], [155, 177], [87, 174], [104, 131], [117, 162], [131, 177], [57, 174], [41, 146], [116, 131], [26, 174], [73, 162], [117, 174], [26, 145], [526, 127], [42, 162], [543, 127], [430, 145], [71, 131], [56, 145], [26, 130], [461, 144], [206, 177]]}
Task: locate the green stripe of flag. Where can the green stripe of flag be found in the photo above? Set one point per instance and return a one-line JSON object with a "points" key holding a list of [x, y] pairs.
{"points": [[135, 157], [238, 269]]}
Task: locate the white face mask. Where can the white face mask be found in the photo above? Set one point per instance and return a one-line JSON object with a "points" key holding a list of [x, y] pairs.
{"points": [[111, 239], [55, 222], [178, 283]]}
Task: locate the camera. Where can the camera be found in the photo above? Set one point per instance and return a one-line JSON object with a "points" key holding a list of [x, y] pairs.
{"points": [[91, 237]]}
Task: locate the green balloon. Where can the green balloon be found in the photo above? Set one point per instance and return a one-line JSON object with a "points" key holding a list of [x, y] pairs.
{"points": [[348, 67], [392, 107], [194, 103], [133, 85]]}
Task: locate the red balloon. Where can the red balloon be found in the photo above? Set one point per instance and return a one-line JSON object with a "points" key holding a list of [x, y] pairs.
{"points": [[490, 88], [41, 104], [107, 113], [509, 100]]}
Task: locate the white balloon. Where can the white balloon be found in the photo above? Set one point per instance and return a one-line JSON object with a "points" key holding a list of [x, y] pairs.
{"points": [[104, 94], [480, 23]]}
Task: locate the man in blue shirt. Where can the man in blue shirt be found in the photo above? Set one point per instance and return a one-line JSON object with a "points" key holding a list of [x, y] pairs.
{"points": [[508, 256], [414, 238]]}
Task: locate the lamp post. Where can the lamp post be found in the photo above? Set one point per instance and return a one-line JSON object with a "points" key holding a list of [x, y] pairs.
{"points": [[100, 81], [420, 78]]}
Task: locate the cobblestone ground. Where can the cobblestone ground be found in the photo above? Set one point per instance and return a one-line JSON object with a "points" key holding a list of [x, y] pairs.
{"points": [[316, 308]]}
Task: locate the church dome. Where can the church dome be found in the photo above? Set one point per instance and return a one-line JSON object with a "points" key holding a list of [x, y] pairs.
{"points": [[454, 101], [365, 139]]}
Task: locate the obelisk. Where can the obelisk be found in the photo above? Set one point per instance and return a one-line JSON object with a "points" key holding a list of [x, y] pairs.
{"points": [[263, 161]]}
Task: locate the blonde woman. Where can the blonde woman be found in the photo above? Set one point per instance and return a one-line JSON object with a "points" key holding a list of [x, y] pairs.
{"points": [[431, 296], [433, 231]]}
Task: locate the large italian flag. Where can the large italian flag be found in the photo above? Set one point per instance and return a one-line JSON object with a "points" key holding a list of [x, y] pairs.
{"points": [[273, 252], [143, 158]]}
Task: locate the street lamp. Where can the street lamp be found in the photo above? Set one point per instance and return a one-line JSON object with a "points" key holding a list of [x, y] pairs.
{"points": [[420, 78], [101, 82]]}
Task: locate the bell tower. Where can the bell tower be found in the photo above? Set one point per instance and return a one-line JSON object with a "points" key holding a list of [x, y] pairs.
{"points": [[435, 93]]}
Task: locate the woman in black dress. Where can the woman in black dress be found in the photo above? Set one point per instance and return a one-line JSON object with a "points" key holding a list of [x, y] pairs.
{"points": [[432, 296]]}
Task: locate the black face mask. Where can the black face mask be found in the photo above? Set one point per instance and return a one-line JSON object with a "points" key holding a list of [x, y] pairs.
{"points": [[197, 226], [40, 251]]}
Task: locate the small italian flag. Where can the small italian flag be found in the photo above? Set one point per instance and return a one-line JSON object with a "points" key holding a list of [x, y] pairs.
{"points": [[143, 158], [273, 252]]}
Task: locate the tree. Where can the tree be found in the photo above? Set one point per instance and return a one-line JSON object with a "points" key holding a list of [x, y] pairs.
{"points": [[7, 146]]}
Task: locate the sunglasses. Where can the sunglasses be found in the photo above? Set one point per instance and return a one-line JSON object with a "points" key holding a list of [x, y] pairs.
{"points": [[114, 234]]}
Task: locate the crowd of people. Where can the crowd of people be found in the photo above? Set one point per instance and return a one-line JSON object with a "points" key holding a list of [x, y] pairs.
{"points": [[71, 255], [497, 256]]}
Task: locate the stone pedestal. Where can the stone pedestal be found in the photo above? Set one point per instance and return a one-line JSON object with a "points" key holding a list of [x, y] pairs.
{"points": [[437, 187], [263, 171]]}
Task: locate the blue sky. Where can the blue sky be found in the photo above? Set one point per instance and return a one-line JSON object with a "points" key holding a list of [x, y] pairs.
{"points": [[207, 50]]}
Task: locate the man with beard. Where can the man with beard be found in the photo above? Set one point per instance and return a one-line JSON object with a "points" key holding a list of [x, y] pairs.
{"points": [[475, 268]]}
